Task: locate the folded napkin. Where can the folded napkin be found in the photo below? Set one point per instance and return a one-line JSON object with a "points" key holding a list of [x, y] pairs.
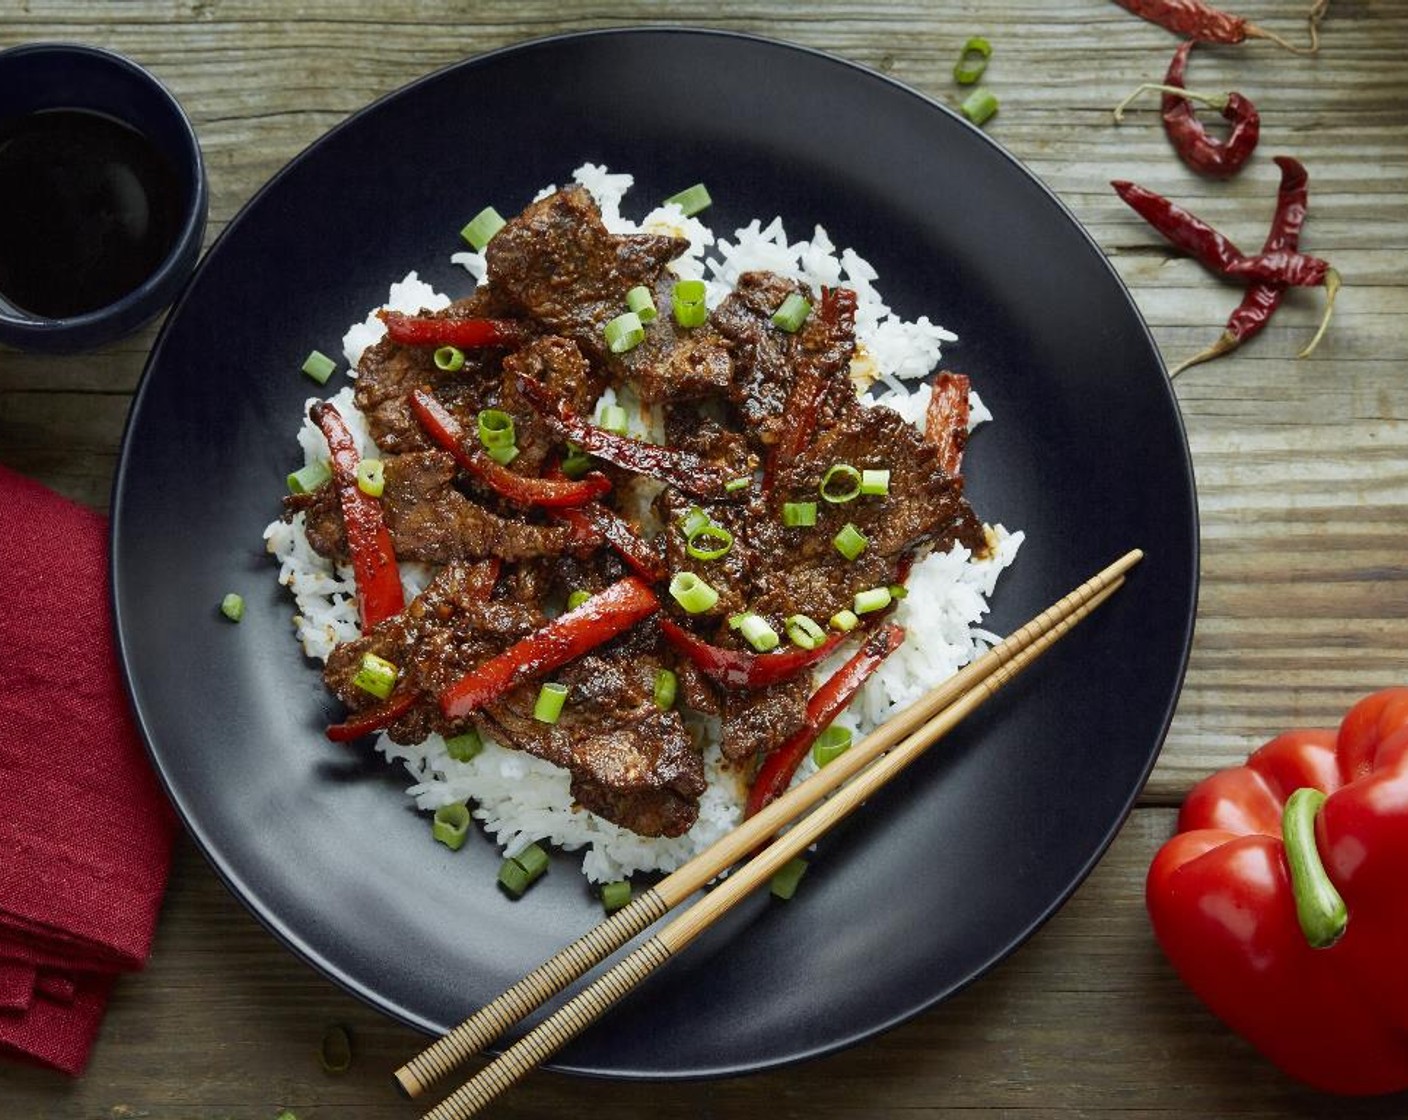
{"points": [[85, 830]]}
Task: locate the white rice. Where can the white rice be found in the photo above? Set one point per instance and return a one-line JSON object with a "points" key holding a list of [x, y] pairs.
{"points": [[519, 799]]}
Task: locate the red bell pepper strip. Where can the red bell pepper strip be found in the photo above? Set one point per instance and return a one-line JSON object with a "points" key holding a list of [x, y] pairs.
{"points": [[681, 469], [467, 334], [1240, 897], [568, 636], [550, 493], [376, 718], [828, 702], [946, 420], [595, 521], [736, 668], [378, 579]]}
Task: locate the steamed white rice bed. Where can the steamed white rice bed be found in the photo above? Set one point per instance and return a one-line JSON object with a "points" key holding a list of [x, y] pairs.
{"points": [[519, 799]]}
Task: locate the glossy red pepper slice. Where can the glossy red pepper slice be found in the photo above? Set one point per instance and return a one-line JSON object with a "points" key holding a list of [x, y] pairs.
{"points": [[736, 668], [566, 637], [594, 521], [379, 593], [681, 469], [828, 702], [550, 493], [467, 334]]}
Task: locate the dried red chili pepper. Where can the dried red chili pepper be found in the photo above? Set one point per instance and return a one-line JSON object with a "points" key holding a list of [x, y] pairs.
{"points": [[828, 702], [596, 522], [467, 334], [374, 719], [374, 567], [1282, 266], [679, 468], [1198, 148], [550, 493], [946, 420], [1194, 19]]}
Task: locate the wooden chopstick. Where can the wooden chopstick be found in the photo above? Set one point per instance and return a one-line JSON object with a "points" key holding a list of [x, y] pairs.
{"points": [[591, 949]]}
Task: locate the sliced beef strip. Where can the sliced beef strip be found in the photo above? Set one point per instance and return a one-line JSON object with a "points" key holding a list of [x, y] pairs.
{"points": [[762, 366], [676, 363], [631, 763], [557, 263], [428, 518], [757, 721], [558, 364], [444, 632]]}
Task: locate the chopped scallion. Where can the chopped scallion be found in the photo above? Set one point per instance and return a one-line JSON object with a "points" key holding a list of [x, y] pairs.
{"points": [[979, 105], [733, 485], [551, 697], [875, 482], [850, 542], [784, 883], [692, 593], [232, 606], [319, 367], [799, 515], [640, 301], [576, 464], [496, 428], [792, 314], [449, 358], [709, 542], [464, 746], [898, 591], [666, 686], [451, 825], [371, 477], [687, 302], [840, 483], [972, 61], [831, 744], [615, 895], [873, 599], [804, 632], [482, 227], [844, 621], [613, 419], [308, 478], [376, 675], [693, 521], [577, 598], [502, 455], [758, 634], [520, 872], [691, 200], [625, 332]]}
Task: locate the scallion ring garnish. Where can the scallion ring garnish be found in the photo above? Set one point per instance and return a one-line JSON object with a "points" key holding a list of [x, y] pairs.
{"points": [[979, 105], [972, 61], [551, 697], [693, 521], [709, 542], [831, 744], [308, 478], [692, 593], [451, 825], [873, 599], [691, 200], [232, 606], [625, 332], [784, 882], [792, 314], [850, 542], [898, 591], [464, 746], [319, 367], [733, 485], [758, 634], [687, 303], [798, 515], [844, 621], [666, 685], [804, 632], [840, 483], [615, 895], [502, 455], [376, 675], [482, 227], [449, 358], [577, 463], [371, 477], [496, 428], [875, 482], [577, 598], [639, 300], [518, 873]]}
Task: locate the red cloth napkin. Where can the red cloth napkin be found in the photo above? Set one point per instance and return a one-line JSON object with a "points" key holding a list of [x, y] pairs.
{"points": [[85, 830]]}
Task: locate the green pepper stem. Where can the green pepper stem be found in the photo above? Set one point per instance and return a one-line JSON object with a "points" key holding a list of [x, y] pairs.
{"points": [[1319, 907]]}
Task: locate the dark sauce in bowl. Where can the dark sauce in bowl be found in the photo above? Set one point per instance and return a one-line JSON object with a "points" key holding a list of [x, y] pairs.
{"points": [[89, 208]]}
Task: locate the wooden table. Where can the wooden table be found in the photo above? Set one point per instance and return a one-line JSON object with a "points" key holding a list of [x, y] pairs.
{"points": [[1302, 491]]}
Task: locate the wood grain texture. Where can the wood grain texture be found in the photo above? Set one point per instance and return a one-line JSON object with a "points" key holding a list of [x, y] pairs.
{"points": [[1302, 470]]}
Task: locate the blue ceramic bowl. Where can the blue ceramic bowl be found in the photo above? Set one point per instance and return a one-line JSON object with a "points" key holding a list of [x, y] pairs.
{"points": [[70, 76]]}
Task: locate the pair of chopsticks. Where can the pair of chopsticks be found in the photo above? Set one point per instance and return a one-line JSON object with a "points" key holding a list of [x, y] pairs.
{"points": [[867, 766]]}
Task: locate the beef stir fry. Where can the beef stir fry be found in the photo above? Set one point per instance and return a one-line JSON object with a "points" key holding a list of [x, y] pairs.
{"points": [[774, 520]]}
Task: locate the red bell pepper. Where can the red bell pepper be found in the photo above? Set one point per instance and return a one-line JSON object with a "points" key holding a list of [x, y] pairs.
{"points": [[568, 636], [1281, 902], [379, 594], [467, 334], [736, 668], [826, 703], [550, 493]]}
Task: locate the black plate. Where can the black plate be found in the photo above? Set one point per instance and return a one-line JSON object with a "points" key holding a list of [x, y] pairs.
{"points": [[933, 882]]}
